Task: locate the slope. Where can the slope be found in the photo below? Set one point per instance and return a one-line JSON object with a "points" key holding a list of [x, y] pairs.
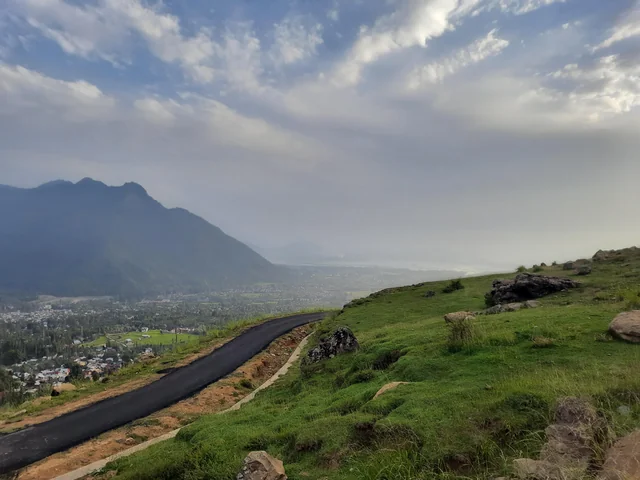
{"points": [[468, 410]]}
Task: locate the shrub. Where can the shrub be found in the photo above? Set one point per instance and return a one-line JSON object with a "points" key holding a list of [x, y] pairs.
{"points": [[521, 269], [542, 342], [246, 383], [461, 335], [453, 286], [537, 268]]}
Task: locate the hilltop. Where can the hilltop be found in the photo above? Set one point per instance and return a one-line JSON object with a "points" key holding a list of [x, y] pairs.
{"points": [[473, 403], [88, 238]]}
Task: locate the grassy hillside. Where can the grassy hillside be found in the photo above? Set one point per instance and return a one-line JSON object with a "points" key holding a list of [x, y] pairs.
{"points": [[468, 411]]}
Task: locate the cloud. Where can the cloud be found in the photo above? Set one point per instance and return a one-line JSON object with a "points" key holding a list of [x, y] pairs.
{"points": [[23, 89], [414, 23], [479, 50], [627, 28], [294, 41], [103, 31]]}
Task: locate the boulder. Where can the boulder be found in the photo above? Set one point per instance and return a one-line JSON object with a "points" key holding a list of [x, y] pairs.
{"points": [[626, 326], [601, 256], [341, 341], [458, 317], [261, 466], [527, 286], [532, 304], [584, 270], [568, 266], [388, 387], [622, 461]]}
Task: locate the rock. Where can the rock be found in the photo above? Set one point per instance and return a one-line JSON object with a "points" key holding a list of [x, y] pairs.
{"points": [[543, 264], [568, 266], [343, 340], [626, 326], [622, 461], [513, 307], [388, 387], [583, 270], [261, 466], [532, 304], [458, 317], [129, 441], [601, 256], [527, 286], [430, 294], [528, 469]]}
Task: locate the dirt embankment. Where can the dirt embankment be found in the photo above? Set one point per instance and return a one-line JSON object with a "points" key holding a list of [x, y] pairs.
{"points": [[216, 397]]}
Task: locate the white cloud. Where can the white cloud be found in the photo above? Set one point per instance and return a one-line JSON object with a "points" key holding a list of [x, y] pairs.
{"points": [[485, 47], [628, 27], [609, 86], [294, 41], [103, 31], [333, 14], [413, 24], [21, 88], [516, 7]]}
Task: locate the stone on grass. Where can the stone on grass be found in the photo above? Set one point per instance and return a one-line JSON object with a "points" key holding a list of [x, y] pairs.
{"points": [[527, 286], [583, 270], [458, 317], [261, 466], [626, 326], [388, 387], [341, 341], [622, 461], [528, 469]]}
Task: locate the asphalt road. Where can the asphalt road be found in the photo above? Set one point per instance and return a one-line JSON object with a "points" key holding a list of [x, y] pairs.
{"points": [[35, 443]]}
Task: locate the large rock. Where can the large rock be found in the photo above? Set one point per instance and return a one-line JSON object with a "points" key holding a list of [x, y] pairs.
{"points": [[261, 466], [458, 317], [343, 340], [622, 461], [627, 326], [571, 443], [583, 270], [527, 286]]}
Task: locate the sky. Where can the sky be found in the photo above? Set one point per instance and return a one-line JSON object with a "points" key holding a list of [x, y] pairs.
{"points": [[471, 134]]}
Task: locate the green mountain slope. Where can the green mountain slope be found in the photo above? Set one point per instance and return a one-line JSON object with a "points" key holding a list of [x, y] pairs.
{"points": [[468, 410], [90, 239]]}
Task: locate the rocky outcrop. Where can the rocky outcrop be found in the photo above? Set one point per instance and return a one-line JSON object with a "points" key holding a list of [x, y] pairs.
{"points": [[341, 341], [571, 444], [458, 317], [622, 461], [626, 326], [527, 286], [261, 466], [388, 387]]}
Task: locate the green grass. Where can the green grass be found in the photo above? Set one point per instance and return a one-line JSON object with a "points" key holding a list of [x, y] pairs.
{"points": [[468, 411], [156, 337]]}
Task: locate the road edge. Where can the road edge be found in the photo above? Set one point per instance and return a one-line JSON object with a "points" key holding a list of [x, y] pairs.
{"points": [[91, 468]]}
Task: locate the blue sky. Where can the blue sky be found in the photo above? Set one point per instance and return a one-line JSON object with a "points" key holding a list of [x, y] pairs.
{"points": [[452, 133]]}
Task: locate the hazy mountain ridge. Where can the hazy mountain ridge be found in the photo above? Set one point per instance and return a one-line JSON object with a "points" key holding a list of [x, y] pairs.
{"points": [[88, 239]]}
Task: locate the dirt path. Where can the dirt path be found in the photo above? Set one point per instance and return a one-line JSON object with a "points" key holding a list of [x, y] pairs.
{"points": [[215, 398]]}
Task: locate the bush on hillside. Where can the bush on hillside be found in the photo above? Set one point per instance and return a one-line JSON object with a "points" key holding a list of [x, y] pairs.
{"points": [[461, 335], [537, 268], [455, 285], [521, 269]]}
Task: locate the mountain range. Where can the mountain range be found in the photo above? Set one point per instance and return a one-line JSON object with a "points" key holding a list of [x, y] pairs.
{"points": [[87, 238]]}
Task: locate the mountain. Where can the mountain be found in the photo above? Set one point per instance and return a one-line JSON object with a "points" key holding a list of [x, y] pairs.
{"points": [[88, 238]]}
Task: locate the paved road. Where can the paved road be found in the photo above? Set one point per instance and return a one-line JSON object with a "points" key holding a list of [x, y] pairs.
{"points": [[35, 443]]}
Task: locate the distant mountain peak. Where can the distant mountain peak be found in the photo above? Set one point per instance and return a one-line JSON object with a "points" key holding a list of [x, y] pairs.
{"points": [[55, 183], [136, 188], [90, 182]]}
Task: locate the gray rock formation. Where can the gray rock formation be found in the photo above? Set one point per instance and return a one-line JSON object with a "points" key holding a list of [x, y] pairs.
{"points": [[527, 286], [341, 341]]}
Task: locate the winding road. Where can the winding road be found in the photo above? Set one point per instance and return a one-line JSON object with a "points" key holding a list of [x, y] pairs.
{"points": [[35, 443]]}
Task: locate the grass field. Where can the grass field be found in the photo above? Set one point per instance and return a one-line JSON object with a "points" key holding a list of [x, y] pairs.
{"points": [[156, 337], [469, 409]]}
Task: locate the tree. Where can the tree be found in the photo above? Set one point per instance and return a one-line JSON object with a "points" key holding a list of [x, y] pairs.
{"points": [[75, 372]]}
